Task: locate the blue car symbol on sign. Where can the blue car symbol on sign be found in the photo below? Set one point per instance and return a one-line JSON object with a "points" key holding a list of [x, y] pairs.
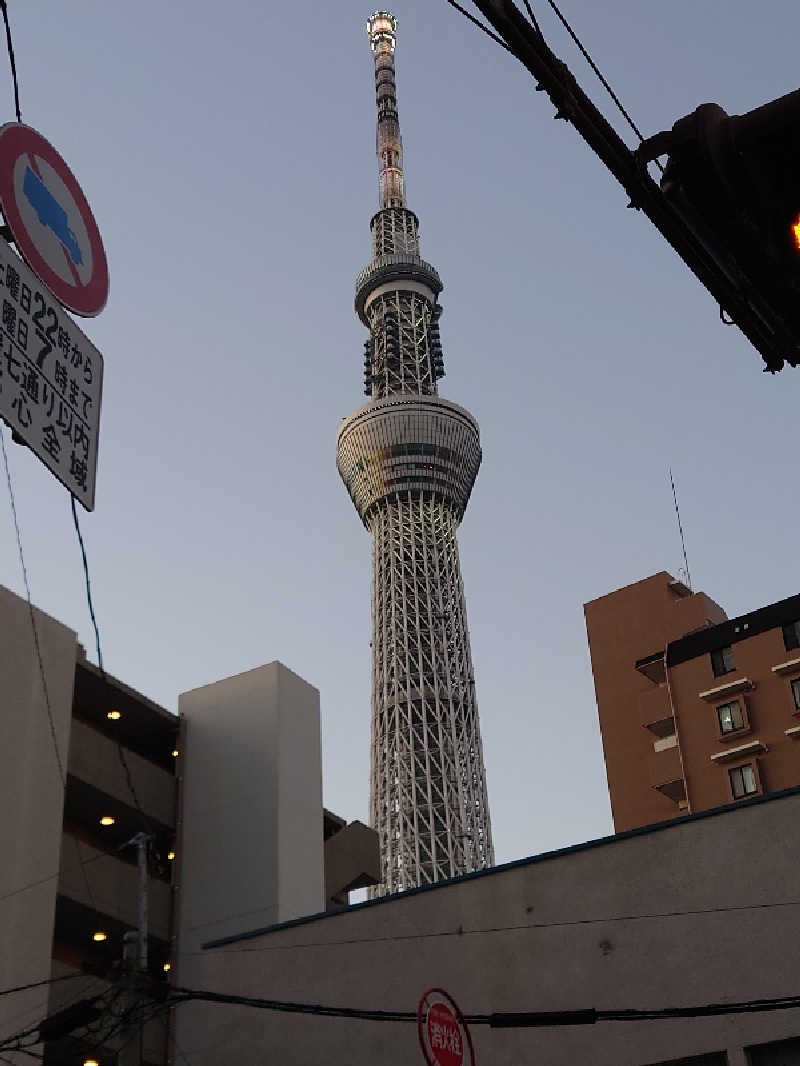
{"points": [[50, 213]]}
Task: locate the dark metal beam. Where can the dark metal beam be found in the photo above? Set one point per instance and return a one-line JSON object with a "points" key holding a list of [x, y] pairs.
{"points": [[719, 275]]}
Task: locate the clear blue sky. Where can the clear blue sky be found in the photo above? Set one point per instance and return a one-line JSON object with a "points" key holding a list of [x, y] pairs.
{"points": [[228, 154]]}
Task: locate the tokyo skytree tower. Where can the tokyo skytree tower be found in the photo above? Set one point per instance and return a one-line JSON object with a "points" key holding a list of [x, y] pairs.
{"points": [[409, 460]]}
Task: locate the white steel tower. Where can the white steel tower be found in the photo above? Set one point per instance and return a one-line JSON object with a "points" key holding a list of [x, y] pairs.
{"points": [[409, 460]]}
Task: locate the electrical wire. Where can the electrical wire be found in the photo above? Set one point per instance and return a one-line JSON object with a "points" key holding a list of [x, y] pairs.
{"points": [[133, 1017], [4, 9], [120, 750], [520, 928], [318, 1009], [25, 888], [37, 645], [479, 24], [52, 877], [26, 1051], [532, 17], [14, 1042], [595, 68], [144, 1011], [500, 1019], [32, 1028], [62, 774], [40, 984], [584, 52], [34, 627]]}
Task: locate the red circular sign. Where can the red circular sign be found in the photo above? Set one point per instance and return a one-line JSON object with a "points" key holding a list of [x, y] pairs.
{"points": [[443, 1033], [50, 220]]}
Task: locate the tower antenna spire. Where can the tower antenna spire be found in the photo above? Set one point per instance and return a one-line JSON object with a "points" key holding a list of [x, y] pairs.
{"points": [[680, 530], [381, 30]]}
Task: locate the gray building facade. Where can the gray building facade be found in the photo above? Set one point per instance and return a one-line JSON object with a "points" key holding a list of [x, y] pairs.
{"points": [[229, 792]]}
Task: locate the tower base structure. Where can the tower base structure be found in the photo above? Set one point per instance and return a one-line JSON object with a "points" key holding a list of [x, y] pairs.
{"points": [[409, 463]]}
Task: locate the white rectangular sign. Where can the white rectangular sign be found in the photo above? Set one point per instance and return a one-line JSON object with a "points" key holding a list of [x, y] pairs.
{"points": [[51, 378]]}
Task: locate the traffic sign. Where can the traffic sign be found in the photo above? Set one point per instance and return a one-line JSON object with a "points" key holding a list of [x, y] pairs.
{"points": [[51, 378], [443, 1033], [50, 220]]}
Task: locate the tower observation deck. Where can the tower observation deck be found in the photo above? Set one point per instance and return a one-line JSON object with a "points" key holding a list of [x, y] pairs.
{"points": [[409, 460]]}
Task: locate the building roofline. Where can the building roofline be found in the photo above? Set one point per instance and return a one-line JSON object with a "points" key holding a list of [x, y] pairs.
{"points": [[531, 860], [632, 585], [138, 697], [243, 673], [731, 631]]}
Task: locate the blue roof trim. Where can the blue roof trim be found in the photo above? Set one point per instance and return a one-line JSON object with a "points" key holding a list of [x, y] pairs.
{"points": [[531, 860]]}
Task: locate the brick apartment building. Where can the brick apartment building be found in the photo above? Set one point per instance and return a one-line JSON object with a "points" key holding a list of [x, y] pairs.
{"points": [[696, 710]]}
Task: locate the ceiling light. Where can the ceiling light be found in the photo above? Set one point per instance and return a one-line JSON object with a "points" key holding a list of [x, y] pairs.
{"points": [[175, 753], [170, 855], [99, 935], [167, 967], [113, 715], [107, 820], [90, 1062]]}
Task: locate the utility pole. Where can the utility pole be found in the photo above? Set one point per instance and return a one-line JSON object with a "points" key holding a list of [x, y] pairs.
{"points": [[142, 842], [134, 960], [130, 1053]]}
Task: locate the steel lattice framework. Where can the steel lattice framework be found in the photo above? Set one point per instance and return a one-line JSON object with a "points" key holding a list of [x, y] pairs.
{"points": [[409, 460]]}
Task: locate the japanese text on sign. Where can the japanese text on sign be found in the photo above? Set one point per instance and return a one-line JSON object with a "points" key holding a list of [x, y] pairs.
{"points": [[51, 379]]}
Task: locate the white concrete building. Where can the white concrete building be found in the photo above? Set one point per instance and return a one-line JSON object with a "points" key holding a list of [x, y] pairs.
{"points": [[230, 791], [704, 909]]}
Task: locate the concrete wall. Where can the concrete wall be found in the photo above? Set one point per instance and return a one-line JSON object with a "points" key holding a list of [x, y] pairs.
{"points": [[352, 860], [114, 886], [250, 848], [31, 798], [94, 758], [702, 910]]}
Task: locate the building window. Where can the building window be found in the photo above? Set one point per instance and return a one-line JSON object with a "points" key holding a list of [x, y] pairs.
{"points": [[791, 635], [796, 693], [731, 717], [743, 781], [722, 661]]}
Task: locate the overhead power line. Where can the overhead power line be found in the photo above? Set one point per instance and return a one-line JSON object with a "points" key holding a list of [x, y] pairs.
{"points": [[34, 627], [76, 1013], [595, 68], [37, 647], [532, 17], [120, 750], [497, 1019], [484, 930], [479, 24], [576, 40], [494, 1020], [27, 1022], [40, 984], [10, 46]]}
